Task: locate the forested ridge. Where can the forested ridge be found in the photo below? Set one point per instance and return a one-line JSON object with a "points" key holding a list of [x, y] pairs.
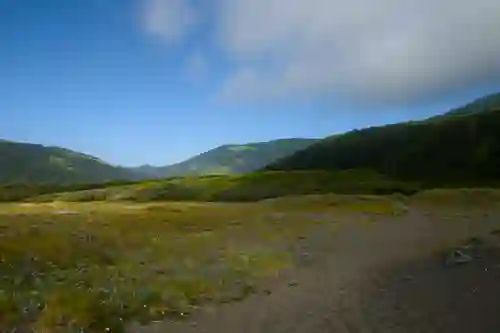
{"points": [[460, 147]]}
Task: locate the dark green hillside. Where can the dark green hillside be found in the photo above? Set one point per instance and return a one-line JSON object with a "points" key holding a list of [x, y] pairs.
{"points": [[33, 163], [484, 104], [461, 147]]}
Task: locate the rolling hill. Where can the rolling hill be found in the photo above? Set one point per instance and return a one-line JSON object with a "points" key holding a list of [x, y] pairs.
{"points": [[34, 163], [230, 159], [461, 147]]}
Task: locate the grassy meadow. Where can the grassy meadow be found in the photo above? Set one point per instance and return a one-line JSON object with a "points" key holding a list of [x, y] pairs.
{"points": [[223, 188], [94, 267]]}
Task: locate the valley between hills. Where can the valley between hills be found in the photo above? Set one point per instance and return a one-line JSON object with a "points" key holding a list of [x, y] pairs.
{"points": [[384, 229]]}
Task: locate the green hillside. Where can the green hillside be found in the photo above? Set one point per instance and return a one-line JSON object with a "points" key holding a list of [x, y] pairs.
{"points": [[461, 147], [231, 159], [33, 163]]}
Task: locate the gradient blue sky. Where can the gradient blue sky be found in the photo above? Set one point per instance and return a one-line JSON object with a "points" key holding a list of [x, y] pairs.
{"points": [[157, 81]]}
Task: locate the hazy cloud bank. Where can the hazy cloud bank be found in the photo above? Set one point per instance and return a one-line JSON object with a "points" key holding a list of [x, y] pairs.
{"points": [[376, 50]]}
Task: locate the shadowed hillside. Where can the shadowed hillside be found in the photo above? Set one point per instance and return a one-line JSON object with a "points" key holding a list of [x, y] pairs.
{"points": [[33, 163]]}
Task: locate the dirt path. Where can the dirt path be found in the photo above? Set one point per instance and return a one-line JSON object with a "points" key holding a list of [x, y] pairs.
{"points": [[384, 277]]}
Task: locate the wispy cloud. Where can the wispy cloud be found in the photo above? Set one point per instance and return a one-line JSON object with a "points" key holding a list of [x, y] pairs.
{"points": [[170, 20], [370, 50]]}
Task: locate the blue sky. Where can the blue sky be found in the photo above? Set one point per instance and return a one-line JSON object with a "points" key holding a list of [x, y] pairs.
{"points": [[157, 81]]}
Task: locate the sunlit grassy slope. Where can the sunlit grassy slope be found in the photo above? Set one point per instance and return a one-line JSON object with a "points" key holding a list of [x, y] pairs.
{"points": [[233, 159], [247, 187]]}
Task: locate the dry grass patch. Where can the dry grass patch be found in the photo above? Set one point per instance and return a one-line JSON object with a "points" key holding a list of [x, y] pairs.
{"points": [[467, 197], [338, 204], [107, 264]]}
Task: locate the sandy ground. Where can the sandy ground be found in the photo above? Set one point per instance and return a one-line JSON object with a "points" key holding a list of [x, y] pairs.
{"points": [[385, 277]]}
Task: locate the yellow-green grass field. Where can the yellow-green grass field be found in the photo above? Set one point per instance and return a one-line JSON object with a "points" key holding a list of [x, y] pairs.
{"points": [[95, 267]]}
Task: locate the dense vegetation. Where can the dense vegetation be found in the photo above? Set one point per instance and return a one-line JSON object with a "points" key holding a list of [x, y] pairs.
{"points": [[33, 163], [19, 192], [230, 159], [225, 188], [235, 188], [460, 148]]}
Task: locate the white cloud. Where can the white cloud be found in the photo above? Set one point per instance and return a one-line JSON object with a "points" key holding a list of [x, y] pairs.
{"points": [[384, 50], [170, 20], [375, 50]]}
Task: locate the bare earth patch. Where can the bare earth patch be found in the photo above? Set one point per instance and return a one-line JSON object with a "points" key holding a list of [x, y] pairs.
{"points": [[390, 276]]}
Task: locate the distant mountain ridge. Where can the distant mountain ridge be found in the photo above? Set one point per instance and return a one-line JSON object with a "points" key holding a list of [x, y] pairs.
{"points": [[461, 146], [230, 159], [35, 163]]}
